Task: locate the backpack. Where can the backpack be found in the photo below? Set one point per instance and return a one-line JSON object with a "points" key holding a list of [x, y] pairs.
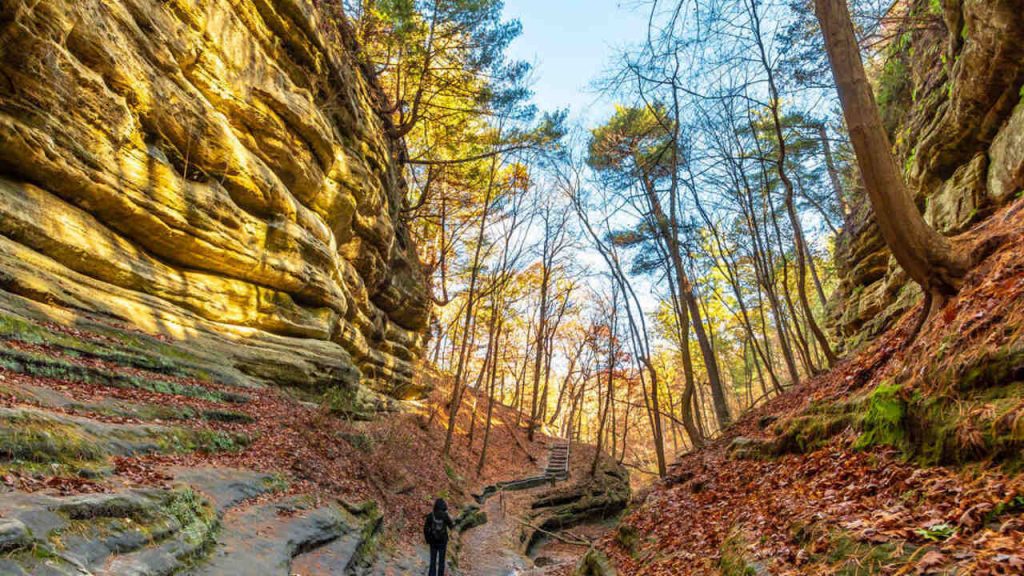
{"points": [[437, 530]]}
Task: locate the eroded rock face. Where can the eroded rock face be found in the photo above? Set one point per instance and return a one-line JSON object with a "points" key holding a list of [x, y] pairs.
{"points": [[953, 106], [208, 168]]}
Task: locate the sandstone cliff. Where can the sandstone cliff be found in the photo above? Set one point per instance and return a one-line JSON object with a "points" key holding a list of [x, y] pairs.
{"points": [[950, 86], [212, 171]]}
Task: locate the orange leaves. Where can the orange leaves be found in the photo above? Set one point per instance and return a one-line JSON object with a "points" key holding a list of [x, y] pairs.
{"points": [[801, 509]]}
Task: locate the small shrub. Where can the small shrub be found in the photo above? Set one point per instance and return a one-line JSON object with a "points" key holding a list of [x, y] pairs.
{"points": [[362, 442], [341, 401], [194, 515]]}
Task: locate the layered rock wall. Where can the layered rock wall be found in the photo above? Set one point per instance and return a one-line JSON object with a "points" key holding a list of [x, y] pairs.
{"points": [[215, 171], [950, 86]]}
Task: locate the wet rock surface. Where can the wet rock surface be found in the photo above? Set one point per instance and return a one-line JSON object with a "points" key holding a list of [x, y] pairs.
{"points": [[263, 539], [208, 524]]}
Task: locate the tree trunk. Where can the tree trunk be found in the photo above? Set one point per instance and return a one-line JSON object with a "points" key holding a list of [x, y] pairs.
{"points": [[688, 298], [801, 280], [609, 392], [486, 368], [659, 434], [833, 173], [490, 405], [565, 385], [932, 260], [457, 387], [689, 386], [541, 329]]}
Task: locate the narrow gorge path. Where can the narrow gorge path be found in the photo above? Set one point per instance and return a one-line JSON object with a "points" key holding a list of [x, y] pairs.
{"points": [[544, 524], [493, 548], [496, 548]]}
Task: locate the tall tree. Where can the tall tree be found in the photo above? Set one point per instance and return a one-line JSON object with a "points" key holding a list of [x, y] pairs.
{"points": [[931, 259], [554, 243], [637, 150], [782, 171]]}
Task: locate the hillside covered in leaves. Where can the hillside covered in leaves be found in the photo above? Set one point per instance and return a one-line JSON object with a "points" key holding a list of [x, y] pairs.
{"points": [[355, 287]]}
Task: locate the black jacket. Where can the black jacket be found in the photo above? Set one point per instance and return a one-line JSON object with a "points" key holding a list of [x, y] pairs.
{"points": [[441, 513]]}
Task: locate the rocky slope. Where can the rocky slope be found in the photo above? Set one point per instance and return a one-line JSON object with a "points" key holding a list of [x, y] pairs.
{"points": [[949, 83], [206, 294], [214, 172], [123, 453], [905, 458]]}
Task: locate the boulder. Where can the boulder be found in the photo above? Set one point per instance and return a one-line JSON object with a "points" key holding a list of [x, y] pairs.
{"points": [[1006, 158]]}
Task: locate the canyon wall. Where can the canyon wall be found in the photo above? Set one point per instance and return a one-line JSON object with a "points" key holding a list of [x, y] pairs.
{"points": [[950, 85], [214, 172]]}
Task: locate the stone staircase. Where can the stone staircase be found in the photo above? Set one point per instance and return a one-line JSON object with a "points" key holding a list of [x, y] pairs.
{"points": [[555, 470], [558, 461]]}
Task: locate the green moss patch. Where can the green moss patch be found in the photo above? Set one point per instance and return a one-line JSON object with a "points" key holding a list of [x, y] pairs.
{"points": [[940, 429], [350, 402], [226, 416], [196, 519], [883, 424], [131, 352], [991, 369], [183, 440], [815, 427], [847, 556], [595, 563], [43, 441], [629, 538], [734, 557], [133, 520], [41, 365], [37, 443], [370, 534]]}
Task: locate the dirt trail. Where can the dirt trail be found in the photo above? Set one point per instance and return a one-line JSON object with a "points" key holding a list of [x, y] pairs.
{"points": [[497, 548], [491, 549]]}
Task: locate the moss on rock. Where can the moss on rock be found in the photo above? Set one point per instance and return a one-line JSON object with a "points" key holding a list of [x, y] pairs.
{"points": [[884, 423]]}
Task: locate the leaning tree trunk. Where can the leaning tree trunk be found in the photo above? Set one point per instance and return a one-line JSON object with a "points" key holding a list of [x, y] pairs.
{"points": [[932, 260]]}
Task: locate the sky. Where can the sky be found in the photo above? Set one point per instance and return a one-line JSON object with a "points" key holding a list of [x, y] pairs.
{"points": [[570, 43]]}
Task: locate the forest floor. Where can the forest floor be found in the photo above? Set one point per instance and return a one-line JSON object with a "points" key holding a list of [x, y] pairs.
{"points": [[78, 422], [903, 459]]}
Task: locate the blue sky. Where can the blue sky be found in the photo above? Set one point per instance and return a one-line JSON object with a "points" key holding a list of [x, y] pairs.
{"points": [[570, 43]]}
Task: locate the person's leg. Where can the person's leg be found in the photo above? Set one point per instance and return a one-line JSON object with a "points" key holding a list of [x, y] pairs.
{"points": [[433, 561], [441, 551]]}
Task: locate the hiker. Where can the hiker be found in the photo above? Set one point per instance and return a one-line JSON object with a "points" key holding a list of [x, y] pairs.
{"points": [[435, 531]]}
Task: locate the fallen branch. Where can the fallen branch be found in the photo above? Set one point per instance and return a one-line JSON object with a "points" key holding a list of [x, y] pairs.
{"points": [[572, 539]]}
